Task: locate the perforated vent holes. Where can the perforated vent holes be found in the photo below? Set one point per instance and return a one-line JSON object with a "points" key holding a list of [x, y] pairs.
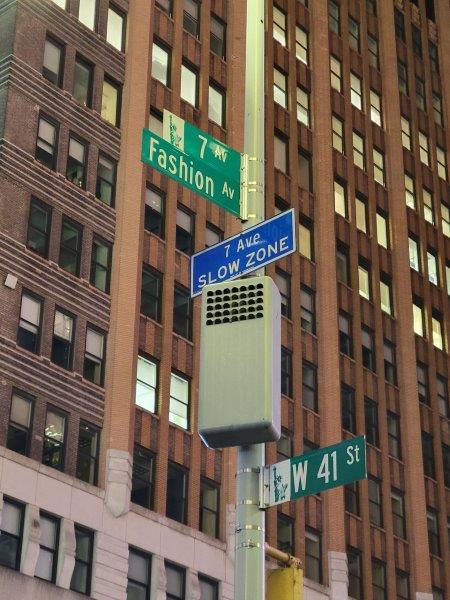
{"points": [[232, 304]]}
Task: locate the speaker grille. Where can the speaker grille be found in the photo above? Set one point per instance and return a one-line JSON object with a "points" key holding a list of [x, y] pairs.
{"points": [[235, 303]]}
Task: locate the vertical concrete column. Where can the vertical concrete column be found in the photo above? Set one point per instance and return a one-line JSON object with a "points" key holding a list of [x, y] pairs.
{"points": [[406, 356], [30, 540], [338, 574], [110, 568], [192, 585], [118, 431], [158, 580], [66, 554], [327, 300]]}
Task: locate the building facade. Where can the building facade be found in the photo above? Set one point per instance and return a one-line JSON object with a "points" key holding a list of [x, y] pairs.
{"points": [[106, 488]]}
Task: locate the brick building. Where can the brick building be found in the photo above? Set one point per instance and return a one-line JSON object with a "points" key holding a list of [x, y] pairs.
{"points": [[104, 483]]}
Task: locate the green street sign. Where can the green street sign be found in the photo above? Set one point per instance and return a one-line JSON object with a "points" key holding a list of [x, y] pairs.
{"points": [[198, 144], [191, 172], [316, 471]]}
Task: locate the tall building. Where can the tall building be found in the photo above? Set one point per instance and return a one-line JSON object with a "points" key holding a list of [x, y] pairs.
{"points": [[105, 485]]}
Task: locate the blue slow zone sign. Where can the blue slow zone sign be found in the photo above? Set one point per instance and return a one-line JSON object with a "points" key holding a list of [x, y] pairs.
{"points": [[245, 252]]}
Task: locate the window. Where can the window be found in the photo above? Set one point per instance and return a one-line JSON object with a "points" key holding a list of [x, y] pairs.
{"points": [[151, 293], [399, 22], [88, 451], [313, 559], [371, 421], [441, 163], [306, 239], [191, 17], [418, 318], [406, 133], [361, 213], [354, 573], [175, 584], [375, 108], [375, 506], [398, 514], [48, 548], [353, 32], [280, 154], [216, 105], [374, 52], [155, 122], [394, 442], [209, 508], [213, 235], [442, 396], [76, 162], [209, 589], [385, 294], [62, 344], [87, 13], [428, 454], [416, 41], [378, 167], [189, 85], [351, 497], [11, 534], [433, 272], [446, 463], [303, 106], [94, 359], [402, 584], [309, 386], [176, 493], [283, 282], [428, 212], [420, 94], [364, 279], [301, 45], [433, 532], [111, 98], [81, 576], [402, 77], [358, 151], [218, 37], [348, 408], [286, 372], [139, 573], [285, 533], [100, 264], [182, 312], [437, 109], [20, 422], [60, 3], [54, 439], [423, 149], [305, 179], [371, 6], [447, 276], [46, 142], [115, 32], [70, 247], [434, 59], [342, 265], [414, 254], [422, 383], [179, 401], [338, 134], [29, 331], [307, 310], [53, 61], [445, 216], [390, 369], [279, 88], [106, 179], [184, 232], [39, 224], [284, 445], [379, 590], [279, 26], [345, 334], [438, 594], [437, 330], [143, 477], [166, 6], [410, 192], [154, 211], [146, 383], [382, 229], [340, 199], [82, 81], [336, 73], [334, 17], [161, 64], [355, 91]]}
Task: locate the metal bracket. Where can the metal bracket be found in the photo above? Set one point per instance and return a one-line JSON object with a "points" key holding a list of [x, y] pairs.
{"points": [[265, 488], [249, 544], [249, 185]]}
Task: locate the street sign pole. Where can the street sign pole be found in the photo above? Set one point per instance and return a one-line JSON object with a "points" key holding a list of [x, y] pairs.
{"points": [[249, 577]]}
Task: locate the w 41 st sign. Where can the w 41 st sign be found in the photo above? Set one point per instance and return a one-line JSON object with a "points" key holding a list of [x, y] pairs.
{"points": [[316, 471]]}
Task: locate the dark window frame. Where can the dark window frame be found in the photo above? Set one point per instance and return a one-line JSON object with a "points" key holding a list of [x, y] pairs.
{"points": [[61, 446], [54, 156], [310, 389], [87, 564], [157, 299], [64, 248], [89, 356], [69, 362], [317, 533], [371, 422], [348, 408], [306, 324], [154, 221], [205, 509], [148, 557], [375, 503], [95, 264], [185, 331], [54, 551], [182, 571], [62, 49], [140, 452], [18, 538], [212, 36], [86, 64], [37, 342], [13, 425], [46, 234], [79, 182], [93, 429], [109, 184], [183, 500]]}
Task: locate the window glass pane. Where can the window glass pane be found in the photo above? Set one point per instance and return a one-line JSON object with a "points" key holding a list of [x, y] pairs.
{"points": [[52, 61], [11, 518], [361, 215], [340, 203], [55, 426], [218, 37], [280, 154], [382, 231], [418, 319], [364, 282], [114, 32], [216, 106], [160, 64], [21, 411], [110, 102], [82, 82], [30, 310], [86, 13], [189, 85], [279, 26], [94, 343]]}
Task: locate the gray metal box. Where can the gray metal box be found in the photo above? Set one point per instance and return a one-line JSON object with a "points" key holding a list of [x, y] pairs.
{"points": [[240, 363]]}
